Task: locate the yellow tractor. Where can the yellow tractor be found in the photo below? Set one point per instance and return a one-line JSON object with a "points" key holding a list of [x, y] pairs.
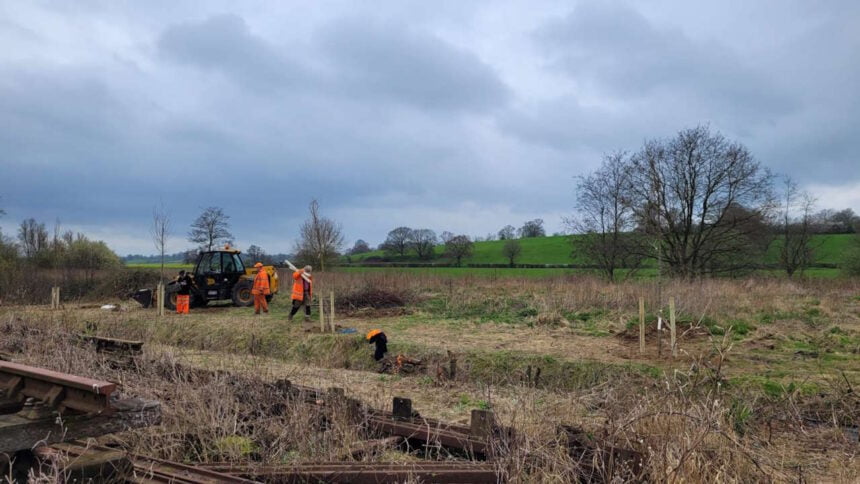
{"points": [[219, 275]]}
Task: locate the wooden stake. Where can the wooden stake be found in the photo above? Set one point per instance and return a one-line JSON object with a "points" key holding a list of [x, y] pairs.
{"points": [[672, 325], [322, 315], [160, 290], [331, 297], [641, 325]]}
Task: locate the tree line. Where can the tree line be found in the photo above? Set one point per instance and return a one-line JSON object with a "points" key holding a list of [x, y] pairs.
{"points": [[405, 241], [698, 203], [36, 246]]}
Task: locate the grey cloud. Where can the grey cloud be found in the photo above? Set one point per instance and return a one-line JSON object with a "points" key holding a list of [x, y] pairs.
{"points": [[394, 120], [414, 68], [224, 43], [615, 49]]}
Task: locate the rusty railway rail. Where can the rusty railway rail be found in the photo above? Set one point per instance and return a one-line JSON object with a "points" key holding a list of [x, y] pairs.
{"points": [[147, 470], [366, 472], [403, 422], [55, 389], [112, 345]]}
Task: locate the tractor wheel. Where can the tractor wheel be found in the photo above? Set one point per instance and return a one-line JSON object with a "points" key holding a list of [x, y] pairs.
{"points": [[242, 296], [170, 294], [198, 302]]}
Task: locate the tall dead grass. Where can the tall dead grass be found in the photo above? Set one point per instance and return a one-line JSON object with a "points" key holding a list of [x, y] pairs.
{"points": [[681, 428]]}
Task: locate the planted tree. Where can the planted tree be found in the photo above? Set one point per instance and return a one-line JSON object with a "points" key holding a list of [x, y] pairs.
{"points": [[160, 232], [458, 247], [211, 228]]}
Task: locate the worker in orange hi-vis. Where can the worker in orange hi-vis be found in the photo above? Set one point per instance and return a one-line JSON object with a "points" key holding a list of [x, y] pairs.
{"points": [[183, 296], [303, 288], [261, 289]]}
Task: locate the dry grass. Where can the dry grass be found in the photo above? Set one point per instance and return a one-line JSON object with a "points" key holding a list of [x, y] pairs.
{"points": [[722, 411]]}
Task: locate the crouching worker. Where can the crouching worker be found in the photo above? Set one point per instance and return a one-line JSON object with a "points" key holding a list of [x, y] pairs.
{"points": [[261, 289], [378, 337], [183, 296], [303, 290]]}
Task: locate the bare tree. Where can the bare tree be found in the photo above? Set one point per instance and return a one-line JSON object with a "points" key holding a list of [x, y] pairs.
{"points": [[256, 254], [606, 221], [684, 190], [424, 243], [446, 236], [507, 232], [458, 247], [211, 228], [33, 237], [398, 241], [845, 221], [160, 232], [532, 228], [796, 251], [321, 238], [511, 250]]}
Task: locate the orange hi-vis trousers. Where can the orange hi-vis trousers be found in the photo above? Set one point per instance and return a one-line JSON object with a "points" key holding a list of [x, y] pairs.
{"points": [[182, 304], [260, 303]]}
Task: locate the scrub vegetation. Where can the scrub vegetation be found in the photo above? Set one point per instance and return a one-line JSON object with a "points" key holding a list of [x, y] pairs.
{"points": [[761, 388]]}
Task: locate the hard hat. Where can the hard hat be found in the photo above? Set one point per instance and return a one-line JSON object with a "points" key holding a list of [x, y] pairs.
{"points": [[372, 333], [258, 265]]}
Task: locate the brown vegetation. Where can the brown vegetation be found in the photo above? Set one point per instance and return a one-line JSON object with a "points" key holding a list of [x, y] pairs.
{"points": [[718, 412]]}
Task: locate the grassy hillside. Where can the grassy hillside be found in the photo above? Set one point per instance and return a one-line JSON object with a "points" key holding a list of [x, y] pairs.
{"points": [[828, 249]]}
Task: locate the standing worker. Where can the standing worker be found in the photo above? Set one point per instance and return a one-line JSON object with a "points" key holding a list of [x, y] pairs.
{"points": [[183, 296], [302, 292], [261, 289]]}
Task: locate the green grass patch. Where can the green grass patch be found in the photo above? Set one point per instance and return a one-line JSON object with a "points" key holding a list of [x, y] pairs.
{"points": [[827, 249], [154, 265]]}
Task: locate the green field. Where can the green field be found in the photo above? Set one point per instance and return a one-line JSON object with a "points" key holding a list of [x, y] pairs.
{"points": [[828, 249], [156, 265]]}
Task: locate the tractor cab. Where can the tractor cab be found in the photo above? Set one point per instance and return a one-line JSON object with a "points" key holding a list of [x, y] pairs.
{"points": [[217, 273]]}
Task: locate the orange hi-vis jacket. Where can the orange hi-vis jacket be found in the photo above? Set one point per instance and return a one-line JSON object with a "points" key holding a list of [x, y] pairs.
{"points": [[261, 283], [299, 286]]}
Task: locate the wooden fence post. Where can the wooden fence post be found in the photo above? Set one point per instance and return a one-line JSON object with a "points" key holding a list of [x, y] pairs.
{"points": [[322, 315], [672, 324], [641, 325], [160, 290], [331, 297]]}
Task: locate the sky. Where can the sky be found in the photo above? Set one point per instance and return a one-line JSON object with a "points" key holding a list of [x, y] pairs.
{"points": [[454, 116]]}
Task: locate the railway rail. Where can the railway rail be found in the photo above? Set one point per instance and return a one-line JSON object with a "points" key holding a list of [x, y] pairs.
{"points": [[55, 389]]}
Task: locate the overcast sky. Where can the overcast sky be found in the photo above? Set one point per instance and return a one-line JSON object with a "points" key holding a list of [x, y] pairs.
{"points": [[458, 116]]}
